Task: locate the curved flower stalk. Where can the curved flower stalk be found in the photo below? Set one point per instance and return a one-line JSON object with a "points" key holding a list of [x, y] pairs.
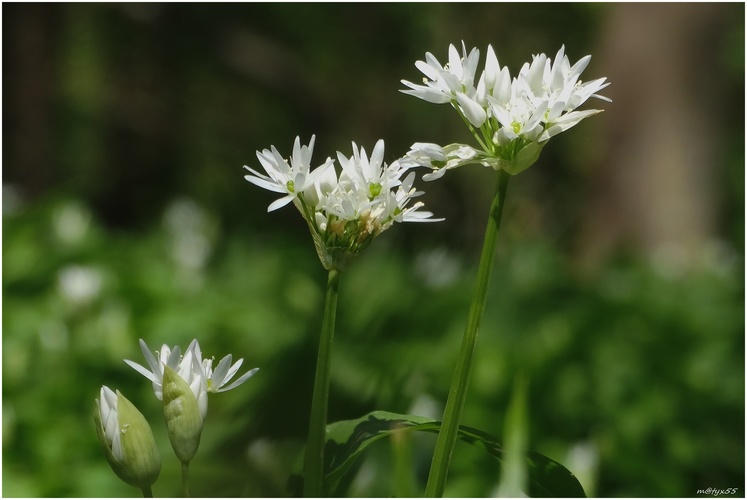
{"points": [[346, 212], [511, 119]]}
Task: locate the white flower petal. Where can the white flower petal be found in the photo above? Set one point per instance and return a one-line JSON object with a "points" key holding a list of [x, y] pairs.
{"points": [[149, 358], [220, 372], [143, 371], [473, 111], [266, 184], [238, 381]]}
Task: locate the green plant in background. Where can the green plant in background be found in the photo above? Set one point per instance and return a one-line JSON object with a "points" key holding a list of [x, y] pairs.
{"points": [[344, 215], [657, 417], [512, 120]]}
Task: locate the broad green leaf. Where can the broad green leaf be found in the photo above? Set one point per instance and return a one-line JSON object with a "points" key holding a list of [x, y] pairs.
{"points": [[348, 439]]}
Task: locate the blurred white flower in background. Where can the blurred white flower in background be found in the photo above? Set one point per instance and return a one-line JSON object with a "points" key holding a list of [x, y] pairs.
{"points": [[191, 232], [79, 284], [71, 223]]}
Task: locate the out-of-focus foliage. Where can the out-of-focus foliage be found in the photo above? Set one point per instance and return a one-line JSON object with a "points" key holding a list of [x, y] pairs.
{"points": [[636, 373], [125, 216]]}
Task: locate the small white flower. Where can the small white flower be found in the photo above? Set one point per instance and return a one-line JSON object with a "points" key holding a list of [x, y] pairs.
{"points": [[557, 90], [518, 119], [474, 112], [215, 380], [443, 83], [453, 83], [440, 159], [371, 195], [347, 202], [494, 81], [372, 176], [291, 179], [166, 357], [323, 185], [396, 204]]}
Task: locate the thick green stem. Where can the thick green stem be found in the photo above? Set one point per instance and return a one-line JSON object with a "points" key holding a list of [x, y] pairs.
{"points": [[314, 463], [147, 492], [185, 479], [459, 382]]}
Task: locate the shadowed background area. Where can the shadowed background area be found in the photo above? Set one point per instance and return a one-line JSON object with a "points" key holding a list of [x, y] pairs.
{"points": [[619, 281]]}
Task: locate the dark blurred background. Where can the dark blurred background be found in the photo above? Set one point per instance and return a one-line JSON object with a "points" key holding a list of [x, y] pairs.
{"points": [[619, 281]]}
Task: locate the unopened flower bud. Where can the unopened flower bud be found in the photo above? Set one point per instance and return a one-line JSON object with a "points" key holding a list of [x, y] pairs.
{"points": [[184, 419], [523, 159], [127, 439]]}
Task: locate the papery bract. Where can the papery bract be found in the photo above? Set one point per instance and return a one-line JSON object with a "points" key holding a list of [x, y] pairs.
{"points": [[127, 439]]}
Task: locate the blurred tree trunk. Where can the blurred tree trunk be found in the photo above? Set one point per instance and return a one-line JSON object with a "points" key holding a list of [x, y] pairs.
{"points": [[27, 119], [655, 190]]}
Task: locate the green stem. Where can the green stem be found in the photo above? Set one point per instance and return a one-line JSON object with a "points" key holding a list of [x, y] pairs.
{"points": [[185, 479], [314, 463], [147, 492], [460, 380]]}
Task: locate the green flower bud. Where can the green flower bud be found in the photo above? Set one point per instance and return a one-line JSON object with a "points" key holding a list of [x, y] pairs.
{"points": [[182, 413], [523, 159], [126, 439]]}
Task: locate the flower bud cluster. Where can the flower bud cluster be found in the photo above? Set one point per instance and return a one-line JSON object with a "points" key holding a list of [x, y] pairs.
{"points": [[344, 212], [182, 383], [511, 118]]}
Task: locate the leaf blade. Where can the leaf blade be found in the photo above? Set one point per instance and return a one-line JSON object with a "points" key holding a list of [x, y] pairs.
{"points": [[348, 439]]}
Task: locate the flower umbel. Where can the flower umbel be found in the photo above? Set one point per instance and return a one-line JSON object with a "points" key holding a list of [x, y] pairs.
{"points": [[346, 212], [511, 119]]}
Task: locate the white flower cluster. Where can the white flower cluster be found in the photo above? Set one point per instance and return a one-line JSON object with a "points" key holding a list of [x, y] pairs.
{"points": [[346, 211], [197, 372], [511, 118]]}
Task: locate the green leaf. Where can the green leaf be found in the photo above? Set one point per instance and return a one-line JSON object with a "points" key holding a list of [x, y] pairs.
{"points": [[348, 439]]}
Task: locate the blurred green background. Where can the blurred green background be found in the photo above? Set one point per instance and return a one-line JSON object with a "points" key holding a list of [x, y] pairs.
{"points": [[619, 281]]}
